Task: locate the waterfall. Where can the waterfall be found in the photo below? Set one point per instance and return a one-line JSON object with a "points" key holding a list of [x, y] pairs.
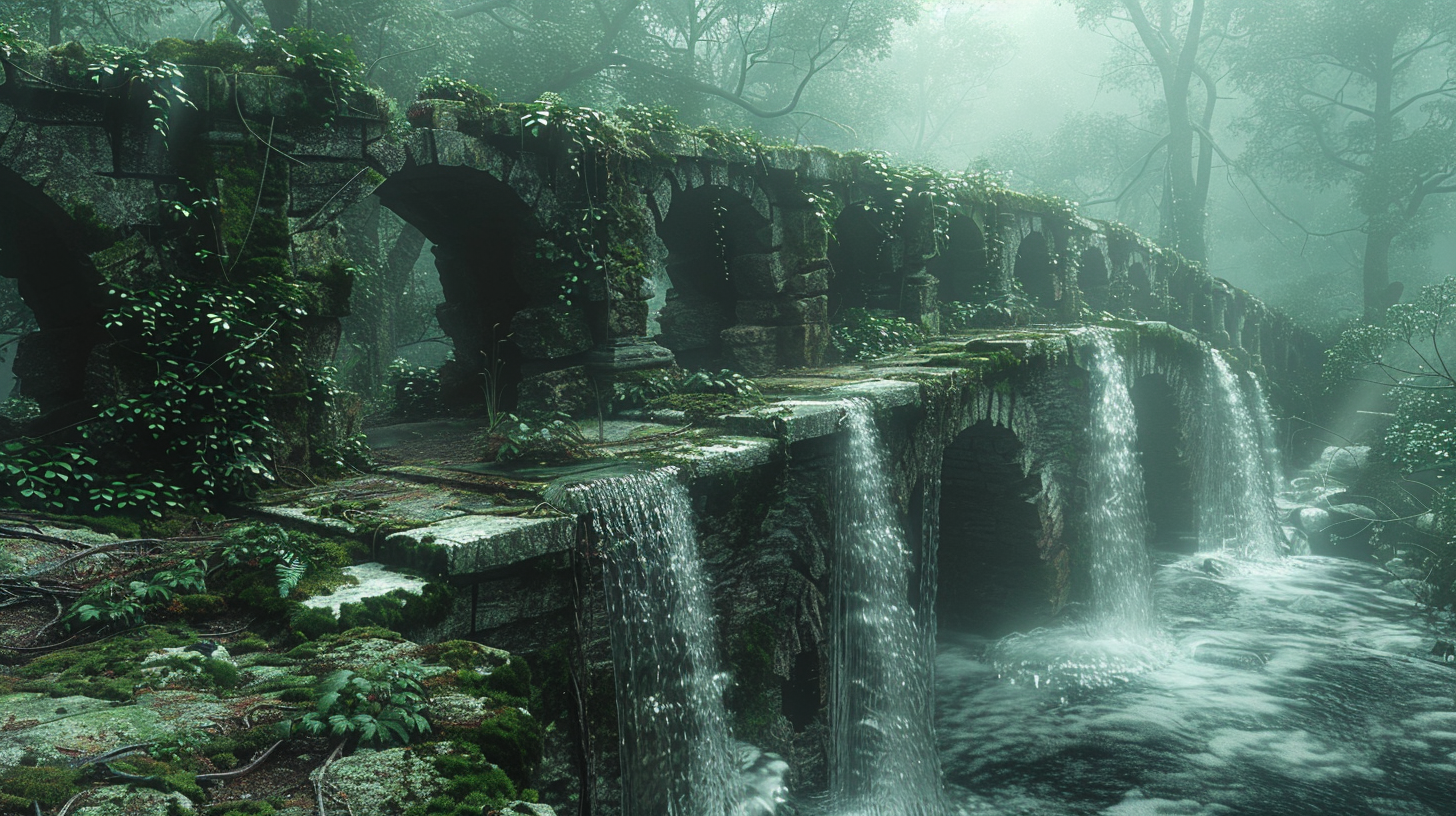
{"points": [[1232, 484], [882, 752], [1122, 595], [676, 751], [1268, 436]]}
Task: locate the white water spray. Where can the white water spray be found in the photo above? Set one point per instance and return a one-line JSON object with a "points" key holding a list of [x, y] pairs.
{"points": [[676, 751], [883, 760], [1122, 596], [1232, 481]]}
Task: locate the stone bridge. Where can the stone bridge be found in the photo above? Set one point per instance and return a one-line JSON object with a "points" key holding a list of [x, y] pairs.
{"points": [[575, 249], [593, 245]]}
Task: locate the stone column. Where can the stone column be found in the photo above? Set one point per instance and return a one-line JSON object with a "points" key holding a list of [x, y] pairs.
{"points": [[919, 299], [1218, 304]]}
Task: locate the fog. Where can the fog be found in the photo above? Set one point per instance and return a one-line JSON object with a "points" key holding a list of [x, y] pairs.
{"points": [[1062, 97]]}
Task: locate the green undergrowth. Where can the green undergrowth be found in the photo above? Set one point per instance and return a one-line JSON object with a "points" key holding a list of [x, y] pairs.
{"points": [[110, 669]]}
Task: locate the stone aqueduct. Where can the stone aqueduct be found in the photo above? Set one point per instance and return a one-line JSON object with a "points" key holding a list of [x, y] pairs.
{"points": [[709, 251], [736, 231]]}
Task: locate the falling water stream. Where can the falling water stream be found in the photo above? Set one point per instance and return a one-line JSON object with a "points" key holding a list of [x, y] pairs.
{"points": [[1117, 529], [882, 752], [678, 757], [1233, 483]]}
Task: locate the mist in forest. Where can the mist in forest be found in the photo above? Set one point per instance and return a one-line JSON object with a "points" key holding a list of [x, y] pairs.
{"points": [[1320, 181]]}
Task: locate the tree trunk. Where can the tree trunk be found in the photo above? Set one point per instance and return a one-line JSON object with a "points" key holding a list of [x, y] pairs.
{"points": [[58, 10], [1378, 294], [282, 14]]}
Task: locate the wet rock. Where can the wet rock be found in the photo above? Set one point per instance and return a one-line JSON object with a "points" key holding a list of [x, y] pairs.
{"points": [[529, 809], [384, 783], [1341, 464], [1400, 569], [1444, 651], [1313, 519], [374, 580], [475, 544], [127, 800]]}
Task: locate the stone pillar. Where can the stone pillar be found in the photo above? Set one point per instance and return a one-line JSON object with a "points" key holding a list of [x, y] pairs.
{"points": [[1234, 319], [803, 238], [1218, 304], [919, 299], [1253, 334]]}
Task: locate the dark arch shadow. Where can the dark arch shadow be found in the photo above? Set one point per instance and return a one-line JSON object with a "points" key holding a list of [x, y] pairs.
{"points": [[47, 253], [1093, 278], [962, 267], [992, 578], [1034, 270], [1167, 474], [709, 232], [864, 272], [481, 231]]}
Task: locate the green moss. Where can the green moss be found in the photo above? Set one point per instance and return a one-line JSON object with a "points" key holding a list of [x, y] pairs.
{"points": [[400, 610], [108, 670], [49, 785], [701, 408], [509, 684], [164, 776], [509, 739], [248, 645]]}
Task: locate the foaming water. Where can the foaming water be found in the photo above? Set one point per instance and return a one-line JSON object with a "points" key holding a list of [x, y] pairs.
{"points": [[882, 750], [1232, 482], [677, 755], [1122, 595], [1299, 686]]}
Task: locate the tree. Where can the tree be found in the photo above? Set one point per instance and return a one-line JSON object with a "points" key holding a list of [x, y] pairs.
{"points": [[124, 22], [1171, 35], [1359, 94], [939, 65]]}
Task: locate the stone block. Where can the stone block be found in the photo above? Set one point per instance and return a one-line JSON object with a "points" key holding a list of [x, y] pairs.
{"points": [[550, 332], [693, 322], [752, 350], [783, 311], [627, 318], [375, 580], [814, 281], [757, 275], [804, 234], [568, 390], [803, 344], [476, 544]]}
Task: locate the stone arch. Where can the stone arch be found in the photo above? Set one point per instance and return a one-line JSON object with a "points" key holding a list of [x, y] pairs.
{"points": [[487, 250], [1094, 278], [864, 268], [962, 266], [1034, 269], [47, 252], [993, 579], [1167, 472], [719, 252]]}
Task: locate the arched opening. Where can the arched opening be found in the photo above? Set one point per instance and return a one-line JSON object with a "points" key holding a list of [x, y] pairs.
{"points": [[483, 237], [1140, 280], [1093, 278], [864, 272], [993, 580], [1034, 269], [961, 267], [1167, 475], [707, 230], [54, 307]]}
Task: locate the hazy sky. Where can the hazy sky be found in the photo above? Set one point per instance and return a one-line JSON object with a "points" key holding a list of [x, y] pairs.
{"points": [[1055, 70]]}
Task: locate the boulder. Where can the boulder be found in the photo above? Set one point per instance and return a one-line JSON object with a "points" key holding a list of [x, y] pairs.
{"points": [[384, 783]]}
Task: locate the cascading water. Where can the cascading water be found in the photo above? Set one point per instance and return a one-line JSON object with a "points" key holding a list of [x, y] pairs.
{"points": [[1233, 484], [882, 755], [1268, 436], [676, 750], [1122, 595]]}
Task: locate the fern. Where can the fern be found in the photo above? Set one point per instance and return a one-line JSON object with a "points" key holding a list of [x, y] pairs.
{"points": [[290, 569]]}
